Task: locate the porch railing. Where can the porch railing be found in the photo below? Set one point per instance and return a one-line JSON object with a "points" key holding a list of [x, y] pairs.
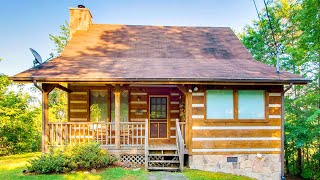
{"points": [[132, 134], [183, 131], [64, 133]]}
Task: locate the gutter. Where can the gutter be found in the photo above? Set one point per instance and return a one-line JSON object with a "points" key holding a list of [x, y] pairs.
{"points": [[282, 130]]}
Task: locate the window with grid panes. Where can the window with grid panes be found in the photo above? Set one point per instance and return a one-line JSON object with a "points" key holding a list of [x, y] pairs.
{"points": [[158, 108]]}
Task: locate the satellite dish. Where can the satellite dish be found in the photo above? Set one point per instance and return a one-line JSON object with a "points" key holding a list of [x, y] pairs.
{"points": [[37, 57]]}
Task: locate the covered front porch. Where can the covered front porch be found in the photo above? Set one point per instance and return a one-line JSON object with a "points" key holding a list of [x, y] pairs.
{"points": [[131, 119]]}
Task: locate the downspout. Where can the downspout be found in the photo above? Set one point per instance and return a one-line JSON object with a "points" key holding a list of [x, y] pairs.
{"points": [[282, 130], [37, 86]]}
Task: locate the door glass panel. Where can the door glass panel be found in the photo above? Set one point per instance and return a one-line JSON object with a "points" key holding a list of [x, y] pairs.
{"points": [[158, 108], [153, 130], [162, 130]]}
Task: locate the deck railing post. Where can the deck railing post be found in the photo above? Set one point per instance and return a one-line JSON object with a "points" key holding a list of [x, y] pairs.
{"points": [[146, 144]]}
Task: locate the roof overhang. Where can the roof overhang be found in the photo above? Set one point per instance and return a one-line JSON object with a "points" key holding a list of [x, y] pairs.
{"points": [[261, 81]]}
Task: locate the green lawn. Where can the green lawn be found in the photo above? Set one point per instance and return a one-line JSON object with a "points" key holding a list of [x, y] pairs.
{"points": [[11, 167]]}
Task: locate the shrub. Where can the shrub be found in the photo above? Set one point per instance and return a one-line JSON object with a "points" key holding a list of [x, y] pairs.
{"points": [[54, 162], [88, 156], [80, 156]]}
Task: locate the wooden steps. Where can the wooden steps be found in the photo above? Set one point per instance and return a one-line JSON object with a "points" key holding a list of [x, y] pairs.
{"points": [[164, 161], [163, 158], [164, 168], [163, 155]]}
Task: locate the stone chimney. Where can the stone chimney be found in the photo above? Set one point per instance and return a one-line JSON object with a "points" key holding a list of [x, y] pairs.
{"points": [[80, 19]]}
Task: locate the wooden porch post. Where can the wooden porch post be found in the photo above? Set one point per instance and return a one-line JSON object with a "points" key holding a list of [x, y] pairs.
{"points": [[45, 121], [117, 93], [46, 89], [188, 110]]}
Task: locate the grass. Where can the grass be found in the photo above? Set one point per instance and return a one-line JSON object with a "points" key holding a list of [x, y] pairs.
{"points": [[203, 175], [11, 167]]}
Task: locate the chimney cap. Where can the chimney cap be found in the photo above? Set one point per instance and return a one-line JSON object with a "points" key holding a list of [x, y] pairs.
{"points": [[81, 6]]}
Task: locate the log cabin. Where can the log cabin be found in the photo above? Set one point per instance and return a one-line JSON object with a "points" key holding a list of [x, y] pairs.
{"points": [[167, 97]]}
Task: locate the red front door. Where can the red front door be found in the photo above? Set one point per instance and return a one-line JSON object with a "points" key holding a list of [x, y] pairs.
{"points": [[158, 117]]}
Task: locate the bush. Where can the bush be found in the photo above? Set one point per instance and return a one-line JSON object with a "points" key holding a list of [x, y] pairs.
{"points": [[88, 156], [80, 156], [54, 162]]}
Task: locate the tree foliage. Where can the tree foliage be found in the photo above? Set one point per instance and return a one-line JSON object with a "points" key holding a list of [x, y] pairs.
{"points": [[58, 99], [297, 31], [20, 115], [60, 41], [19, 120]]}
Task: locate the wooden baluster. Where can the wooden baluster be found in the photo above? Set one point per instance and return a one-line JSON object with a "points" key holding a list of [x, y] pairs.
{"points": [[122, 132], [111, 135], [70, 134], [61, 134], [84, 132], [88, 132], [137, 135], [140, 134], [56, 135], [50, 133], [128, 134], [79, 132], [106, 131]]}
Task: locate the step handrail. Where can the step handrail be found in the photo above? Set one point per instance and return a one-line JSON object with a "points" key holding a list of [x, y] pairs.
{"points": [[180, 144]]}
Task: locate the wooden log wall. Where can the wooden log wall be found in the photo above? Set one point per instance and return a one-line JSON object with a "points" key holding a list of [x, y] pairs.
{"points": [[79, 101], [236, 136], [79, 106]]}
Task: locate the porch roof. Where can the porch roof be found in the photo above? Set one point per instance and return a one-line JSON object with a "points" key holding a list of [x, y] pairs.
{"points": [[133, 53]]}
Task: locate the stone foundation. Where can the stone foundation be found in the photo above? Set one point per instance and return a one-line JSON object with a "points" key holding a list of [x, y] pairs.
{"points": [[268, 166]]}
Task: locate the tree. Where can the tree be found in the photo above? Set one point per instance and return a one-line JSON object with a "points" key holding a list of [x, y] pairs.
{"points": [[296, 25], [58, 100], [19, 121], [61, 41]]}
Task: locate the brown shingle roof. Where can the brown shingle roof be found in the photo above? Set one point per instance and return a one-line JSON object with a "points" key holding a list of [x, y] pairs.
{"points": [[156, 53]]}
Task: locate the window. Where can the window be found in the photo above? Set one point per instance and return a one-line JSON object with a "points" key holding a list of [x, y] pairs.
{"points": [[98, 105], [158, 108], [220, 104], [251, 104]]}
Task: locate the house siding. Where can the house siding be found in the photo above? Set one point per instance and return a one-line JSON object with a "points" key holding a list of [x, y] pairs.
{"points": [[79, 100], [78, 103], [212, 141]]}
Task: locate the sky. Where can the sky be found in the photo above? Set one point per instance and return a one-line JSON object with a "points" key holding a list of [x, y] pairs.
{"points": [[27, 24]]}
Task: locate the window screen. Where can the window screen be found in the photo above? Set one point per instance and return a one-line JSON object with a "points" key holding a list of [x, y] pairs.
{"points": [[251, 104], [220, 104], [158, 108], [98, 105]]}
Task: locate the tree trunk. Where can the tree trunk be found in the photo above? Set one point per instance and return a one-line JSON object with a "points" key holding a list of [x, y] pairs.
{"points": [[299, 162], [286, 161]]}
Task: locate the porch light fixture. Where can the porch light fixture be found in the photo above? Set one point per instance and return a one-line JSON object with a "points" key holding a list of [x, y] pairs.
{"points": [[190, 90], [195, 89]]}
